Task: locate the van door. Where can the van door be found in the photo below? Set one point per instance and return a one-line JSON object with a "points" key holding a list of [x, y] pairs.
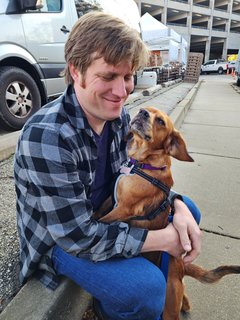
{"points": [[46, 30]]}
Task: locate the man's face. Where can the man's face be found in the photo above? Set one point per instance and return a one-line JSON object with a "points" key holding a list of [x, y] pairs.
{"points": [[103, 90]]}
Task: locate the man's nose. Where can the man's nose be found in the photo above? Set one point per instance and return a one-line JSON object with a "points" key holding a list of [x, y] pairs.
{"points": [[120, 88]]}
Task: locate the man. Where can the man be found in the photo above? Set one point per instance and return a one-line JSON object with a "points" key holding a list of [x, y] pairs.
{"points": [[65, 161]]}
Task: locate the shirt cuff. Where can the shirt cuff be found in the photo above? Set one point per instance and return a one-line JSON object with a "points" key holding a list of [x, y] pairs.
{"points": [[135, 235]]}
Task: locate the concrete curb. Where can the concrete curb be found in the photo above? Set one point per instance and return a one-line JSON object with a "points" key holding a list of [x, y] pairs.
{"points": [[152, 90], [8, 145], [36, 302], [68, 301], [179, 113]]}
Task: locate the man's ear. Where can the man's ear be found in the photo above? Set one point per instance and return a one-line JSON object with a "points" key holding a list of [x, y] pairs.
{"points": [[175, 146], [76, 75]]}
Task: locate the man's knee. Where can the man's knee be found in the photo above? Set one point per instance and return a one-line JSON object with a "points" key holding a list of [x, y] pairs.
{"points": [[151, 296], [144, 298]]}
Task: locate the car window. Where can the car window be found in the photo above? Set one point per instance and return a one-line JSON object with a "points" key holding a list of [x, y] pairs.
{"points": [[209, 62], [48, 6]]}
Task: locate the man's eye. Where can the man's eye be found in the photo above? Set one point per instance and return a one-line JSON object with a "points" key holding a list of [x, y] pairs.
{"points": [[107, 78], [128, 78]]}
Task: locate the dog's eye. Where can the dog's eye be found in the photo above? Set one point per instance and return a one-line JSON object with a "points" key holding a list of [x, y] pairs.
{"points": [[160, 121], [129, 136]]}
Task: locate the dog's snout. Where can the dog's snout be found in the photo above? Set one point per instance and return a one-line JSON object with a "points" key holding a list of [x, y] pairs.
{"points": [[144, 113]]}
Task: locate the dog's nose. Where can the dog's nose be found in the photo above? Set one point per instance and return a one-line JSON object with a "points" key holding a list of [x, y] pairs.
{"points": [[144, 113]]}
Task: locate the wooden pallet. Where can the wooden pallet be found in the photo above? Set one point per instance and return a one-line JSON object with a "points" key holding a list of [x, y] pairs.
{"points": [[193, 68]]}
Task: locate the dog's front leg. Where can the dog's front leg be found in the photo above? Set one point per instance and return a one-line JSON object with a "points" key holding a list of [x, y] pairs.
{"points": [[117, 214]]}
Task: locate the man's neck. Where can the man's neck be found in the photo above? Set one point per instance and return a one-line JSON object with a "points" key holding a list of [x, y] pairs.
{"points": [[97, 126]]}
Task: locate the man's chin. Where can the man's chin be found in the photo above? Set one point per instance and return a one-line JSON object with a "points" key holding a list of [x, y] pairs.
{"points": [[114, 113]]}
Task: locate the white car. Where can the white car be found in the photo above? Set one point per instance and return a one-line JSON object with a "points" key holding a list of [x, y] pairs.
{"points": [[217, 65]]}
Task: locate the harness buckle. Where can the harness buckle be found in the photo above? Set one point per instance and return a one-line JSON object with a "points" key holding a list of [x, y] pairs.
{"points": [[125, 168]]}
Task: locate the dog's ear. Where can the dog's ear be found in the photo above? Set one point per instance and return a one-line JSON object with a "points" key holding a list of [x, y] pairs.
{"points": [[175, 146]]}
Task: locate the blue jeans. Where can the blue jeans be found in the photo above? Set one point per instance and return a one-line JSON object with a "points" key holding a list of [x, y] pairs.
{"points": [[125, 288]]}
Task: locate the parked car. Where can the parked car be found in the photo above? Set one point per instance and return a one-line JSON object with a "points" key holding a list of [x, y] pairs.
{"points": [[217, 65], [32, 42]]}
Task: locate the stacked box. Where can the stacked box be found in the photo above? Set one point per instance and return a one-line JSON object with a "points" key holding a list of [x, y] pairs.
{"points": [[171, 72], [193, 68]]}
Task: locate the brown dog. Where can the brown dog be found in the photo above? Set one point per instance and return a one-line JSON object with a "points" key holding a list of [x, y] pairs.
{"points": [[152, 139]]}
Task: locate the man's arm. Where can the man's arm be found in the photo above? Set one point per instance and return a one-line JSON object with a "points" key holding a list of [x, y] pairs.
{"points": [[49, 177], [189, 232], [181, 236], [166, 239]]}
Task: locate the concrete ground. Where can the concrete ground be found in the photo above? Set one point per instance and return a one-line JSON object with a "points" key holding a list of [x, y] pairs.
{"points": [[211, 128], [212, 132]]}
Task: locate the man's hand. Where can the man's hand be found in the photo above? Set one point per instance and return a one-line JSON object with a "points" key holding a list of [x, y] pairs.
{"points": [[189, 232], [166, 239]]}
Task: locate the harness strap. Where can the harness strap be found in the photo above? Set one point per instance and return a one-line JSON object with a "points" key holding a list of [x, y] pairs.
{"points": [[154, 181], [134, 168], [152, 215]]}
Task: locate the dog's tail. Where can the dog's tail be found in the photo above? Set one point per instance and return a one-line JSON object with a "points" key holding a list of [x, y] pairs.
{"points": [[210, 276]]}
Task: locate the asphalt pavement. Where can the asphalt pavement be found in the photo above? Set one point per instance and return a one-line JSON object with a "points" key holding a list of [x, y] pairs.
{"points": [[211, 128]]}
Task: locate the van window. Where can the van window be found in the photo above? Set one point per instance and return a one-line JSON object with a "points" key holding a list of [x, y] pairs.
{"points": [[53, 5], [48, 6]]}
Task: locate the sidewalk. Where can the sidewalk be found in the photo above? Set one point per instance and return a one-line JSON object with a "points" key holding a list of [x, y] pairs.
{"points": [[212, 132], [211, 128]]}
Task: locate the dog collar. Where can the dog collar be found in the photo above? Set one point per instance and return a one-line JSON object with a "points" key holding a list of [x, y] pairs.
{"points": [[145, 165]]}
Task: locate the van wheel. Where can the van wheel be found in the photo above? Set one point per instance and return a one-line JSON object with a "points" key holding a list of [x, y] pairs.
{"points": [[238, 82], [19, 97], [220, 70]]}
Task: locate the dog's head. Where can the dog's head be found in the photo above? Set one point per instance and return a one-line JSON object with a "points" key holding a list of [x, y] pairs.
{"points": [[152, 130]]}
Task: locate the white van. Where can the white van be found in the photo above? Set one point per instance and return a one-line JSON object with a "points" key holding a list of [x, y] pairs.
{"points": [[32, 42], [32, 38]]}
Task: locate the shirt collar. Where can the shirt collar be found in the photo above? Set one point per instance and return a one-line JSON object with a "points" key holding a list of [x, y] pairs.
{"points": [[76, 114]]}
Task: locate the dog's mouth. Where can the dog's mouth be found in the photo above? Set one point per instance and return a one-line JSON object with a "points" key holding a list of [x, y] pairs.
{"points": [[141, 127]]}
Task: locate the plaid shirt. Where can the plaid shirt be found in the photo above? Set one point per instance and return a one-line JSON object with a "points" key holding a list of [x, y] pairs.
{"points": [[54, 169]]}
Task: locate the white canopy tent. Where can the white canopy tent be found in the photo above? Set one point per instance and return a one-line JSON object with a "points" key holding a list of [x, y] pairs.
{"points": [[152, 30], [127, 10], [159, 37]]}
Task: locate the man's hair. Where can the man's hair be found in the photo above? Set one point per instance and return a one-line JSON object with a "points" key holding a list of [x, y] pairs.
{"points": [[101, 35]]}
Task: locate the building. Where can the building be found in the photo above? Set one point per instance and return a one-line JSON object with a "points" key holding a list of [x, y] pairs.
{"points": [[209, 26]]}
